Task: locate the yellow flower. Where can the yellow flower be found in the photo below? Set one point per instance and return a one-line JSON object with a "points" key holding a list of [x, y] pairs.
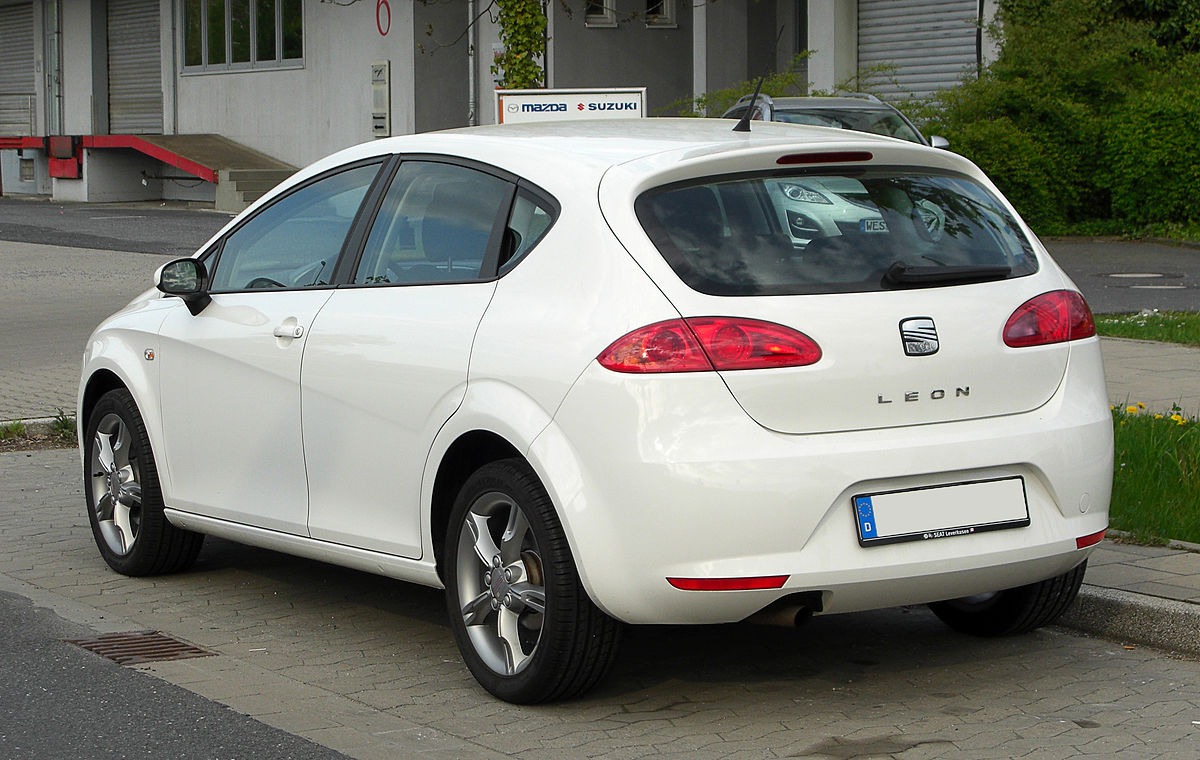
{"points": [[1131, 410], [1158, 416], [1111, 407], [1177, 418], [1140, 405]]}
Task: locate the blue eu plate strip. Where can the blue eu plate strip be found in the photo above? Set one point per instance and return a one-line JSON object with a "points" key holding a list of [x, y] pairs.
{"points": [[866, 517]]}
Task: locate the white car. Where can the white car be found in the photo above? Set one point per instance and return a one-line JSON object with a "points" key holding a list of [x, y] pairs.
{"points": [[579, 375]]}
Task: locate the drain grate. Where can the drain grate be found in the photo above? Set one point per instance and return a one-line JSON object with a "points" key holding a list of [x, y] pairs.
{"points": [[140, 646]]}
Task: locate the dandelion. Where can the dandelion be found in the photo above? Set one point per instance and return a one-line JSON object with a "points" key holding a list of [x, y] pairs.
{"points": [[1177, 418], [1158, 416], [1140, 405], [1131, 410]]}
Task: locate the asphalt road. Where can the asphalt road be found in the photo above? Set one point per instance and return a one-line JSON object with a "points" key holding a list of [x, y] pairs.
{"points": [[138, 228], [60, 701]]}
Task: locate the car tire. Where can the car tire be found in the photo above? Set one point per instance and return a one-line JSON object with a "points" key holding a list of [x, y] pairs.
{"points": [[1014, 610], [522, 620], [124, 501]]}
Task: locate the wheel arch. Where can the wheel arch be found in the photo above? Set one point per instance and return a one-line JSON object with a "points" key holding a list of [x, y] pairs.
{"points": [[470, 451], [100, 382]]}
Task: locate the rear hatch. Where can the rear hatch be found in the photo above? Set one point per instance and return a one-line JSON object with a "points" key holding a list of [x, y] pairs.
{"points": [[904, 276]]}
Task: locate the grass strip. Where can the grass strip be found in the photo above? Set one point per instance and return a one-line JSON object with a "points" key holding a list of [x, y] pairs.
{"points": [[1156, 475], [1152, 324]]}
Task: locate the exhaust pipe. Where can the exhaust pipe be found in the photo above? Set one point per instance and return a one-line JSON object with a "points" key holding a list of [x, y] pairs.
{"points": [[789, 611]]}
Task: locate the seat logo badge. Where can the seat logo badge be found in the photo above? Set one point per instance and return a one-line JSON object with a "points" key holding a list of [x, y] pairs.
{"points": [[919, 336], [149, 354]]}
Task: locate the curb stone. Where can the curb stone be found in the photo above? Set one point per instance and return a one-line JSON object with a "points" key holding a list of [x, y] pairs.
{"points": [[1137, 618]]}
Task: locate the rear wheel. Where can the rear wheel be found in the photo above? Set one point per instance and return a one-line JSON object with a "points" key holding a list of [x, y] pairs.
{"points": [[1014, 610], [524, 624], [125, 506]]}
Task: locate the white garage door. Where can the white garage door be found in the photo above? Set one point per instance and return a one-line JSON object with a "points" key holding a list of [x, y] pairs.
{"points": [[135, 98], [930, 44], [17, 81]]}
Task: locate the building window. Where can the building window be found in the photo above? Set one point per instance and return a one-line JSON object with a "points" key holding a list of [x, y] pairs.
{"points": [[661, 14], [234, 34], [600, 13]]}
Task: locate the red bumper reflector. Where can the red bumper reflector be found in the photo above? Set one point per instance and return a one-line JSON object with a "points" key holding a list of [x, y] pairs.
{"points": [[1084, 542], [728, 584]]}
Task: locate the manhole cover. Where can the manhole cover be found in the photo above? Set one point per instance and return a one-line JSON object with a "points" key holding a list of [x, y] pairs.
{"points": [[140, 646]]}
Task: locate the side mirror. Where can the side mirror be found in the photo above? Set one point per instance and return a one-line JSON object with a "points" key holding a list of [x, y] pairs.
{"points": [[939, 142], [188, 279]]}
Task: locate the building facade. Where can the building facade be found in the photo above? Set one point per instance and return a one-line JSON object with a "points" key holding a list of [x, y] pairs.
{"points": [[129, 87]]}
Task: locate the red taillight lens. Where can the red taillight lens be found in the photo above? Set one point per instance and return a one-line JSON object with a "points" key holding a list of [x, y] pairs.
{"points": [[1053, 317], [662, 347], [705, 343], [728, 584]]}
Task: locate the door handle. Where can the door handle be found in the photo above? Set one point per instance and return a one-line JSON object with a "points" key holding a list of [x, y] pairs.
{"points": [[288, 331]]}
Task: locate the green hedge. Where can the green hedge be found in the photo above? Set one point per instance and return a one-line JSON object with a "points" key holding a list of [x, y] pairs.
{"points": [[1088, 121], [1153, 153]]}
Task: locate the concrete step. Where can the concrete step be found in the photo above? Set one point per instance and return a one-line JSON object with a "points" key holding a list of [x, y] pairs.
{"points": [[255, 184], [241, 175]]}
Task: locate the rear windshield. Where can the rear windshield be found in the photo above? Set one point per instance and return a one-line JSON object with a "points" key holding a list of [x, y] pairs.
{"points": [[861, 231]]}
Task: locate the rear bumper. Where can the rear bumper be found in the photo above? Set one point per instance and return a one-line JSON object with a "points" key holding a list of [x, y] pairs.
{"points": [[663, 476]]}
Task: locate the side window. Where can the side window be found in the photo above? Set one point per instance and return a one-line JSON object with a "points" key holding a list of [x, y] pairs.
{"points": [[295, 242], [528, 222], [434, 225]]}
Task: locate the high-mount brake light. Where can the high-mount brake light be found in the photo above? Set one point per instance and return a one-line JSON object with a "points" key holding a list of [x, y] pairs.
{"points": [[1054, 317], [728, 584], [835, 157], [700, 344]]}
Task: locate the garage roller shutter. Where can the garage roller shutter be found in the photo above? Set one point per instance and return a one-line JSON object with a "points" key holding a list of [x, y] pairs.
{"points": [[931, 43], [17, 81], [135, 98]]}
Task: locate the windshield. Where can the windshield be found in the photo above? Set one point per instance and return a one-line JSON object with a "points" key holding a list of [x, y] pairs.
{"points": [[879, 122], [860, 231]]}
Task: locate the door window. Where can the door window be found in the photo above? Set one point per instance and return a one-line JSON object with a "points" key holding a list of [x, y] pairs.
{"points": [[295, 242], [435, 225]]}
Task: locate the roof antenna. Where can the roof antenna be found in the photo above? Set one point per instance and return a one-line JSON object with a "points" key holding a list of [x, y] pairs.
{"points": [[743, 124]]}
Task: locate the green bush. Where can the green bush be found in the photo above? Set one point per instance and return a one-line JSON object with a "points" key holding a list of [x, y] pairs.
{"points": [[1089, 118], [1153, 151]]}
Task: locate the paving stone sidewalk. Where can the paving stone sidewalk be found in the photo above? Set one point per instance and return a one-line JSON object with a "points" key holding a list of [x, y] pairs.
{"points": [[367, 666]]}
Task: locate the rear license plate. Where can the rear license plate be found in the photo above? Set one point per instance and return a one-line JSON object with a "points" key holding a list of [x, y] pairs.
{"points": [[955, 509]]}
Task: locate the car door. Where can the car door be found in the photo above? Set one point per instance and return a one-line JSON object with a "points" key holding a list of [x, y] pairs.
{"points": [[230, 375], [386, 363]]}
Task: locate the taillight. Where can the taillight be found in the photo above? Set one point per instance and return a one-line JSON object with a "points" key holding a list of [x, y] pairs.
{"points": [[699, 344], [1053, 317]]}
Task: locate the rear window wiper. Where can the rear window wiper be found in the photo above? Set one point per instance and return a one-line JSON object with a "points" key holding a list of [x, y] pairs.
{"points": [[902, 275]]}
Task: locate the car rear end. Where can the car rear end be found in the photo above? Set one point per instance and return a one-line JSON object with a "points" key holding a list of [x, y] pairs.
{"points": [[905, 404]]}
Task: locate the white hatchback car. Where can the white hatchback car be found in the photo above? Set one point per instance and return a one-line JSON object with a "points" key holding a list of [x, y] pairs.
{"points": [[580, 373]]}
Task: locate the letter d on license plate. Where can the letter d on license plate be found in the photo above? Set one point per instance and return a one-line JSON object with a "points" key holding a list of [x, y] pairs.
{"points": [[954, 509]]}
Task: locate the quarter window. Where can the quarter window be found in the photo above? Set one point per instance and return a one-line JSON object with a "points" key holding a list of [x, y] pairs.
{"points": [[528, 222], [435, 225], [295, 242], [236, 34]]}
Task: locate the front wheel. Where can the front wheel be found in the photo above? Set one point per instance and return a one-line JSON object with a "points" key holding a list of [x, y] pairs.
{"points": [[524, 624], [125, 506], [1014, 610]]}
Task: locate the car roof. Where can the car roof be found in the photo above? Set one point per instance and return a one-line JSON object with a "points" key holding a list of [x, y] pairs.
{"points": [[841, 103], [564, 156]]}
